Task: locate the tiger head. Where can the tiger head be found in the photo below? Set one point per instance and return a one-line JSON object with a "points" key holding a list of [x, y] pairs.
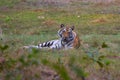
{"points": [[66, 33]]}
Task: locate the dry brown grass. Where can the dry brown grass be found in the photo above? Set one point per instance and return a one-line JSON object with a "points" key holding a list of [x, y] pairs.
{"points": [[49, 22], [100, 20]]}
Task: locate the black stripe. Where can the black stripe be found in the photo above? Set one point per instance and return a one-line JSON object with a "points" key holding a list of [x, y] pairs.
{"points": [[42, 45], [38, 45], [45, 44], [48, 44], [69, 44], [51, 43]]}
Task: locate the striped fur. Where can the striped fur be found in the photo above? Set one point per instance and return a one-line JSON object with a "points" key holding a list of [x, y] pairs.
{"points": [[53, 44], [68, 39]]}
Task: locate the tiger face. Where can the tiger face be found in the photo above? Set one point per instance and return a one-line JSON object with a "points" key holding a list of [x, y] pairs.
{"points": [[66, 33]]}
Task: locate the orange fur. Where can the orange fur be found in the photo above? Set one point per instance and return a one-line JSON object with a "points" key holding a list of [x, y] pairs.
{"points": [[66, 32], [76, 42]]}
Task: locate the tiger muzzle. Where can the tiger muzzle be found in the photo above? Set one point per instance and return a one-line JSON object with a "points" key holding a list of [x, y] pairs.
{"points": [[65, 39]]}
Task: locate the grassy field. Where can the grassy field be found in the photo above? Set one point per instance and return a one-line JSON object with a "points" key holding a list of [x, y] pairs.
{"points": [[29, 22]]}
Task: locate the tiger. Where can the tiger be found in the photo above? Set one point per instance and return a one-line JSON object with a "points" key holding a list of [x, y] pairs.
{"points": [[67, 39]]}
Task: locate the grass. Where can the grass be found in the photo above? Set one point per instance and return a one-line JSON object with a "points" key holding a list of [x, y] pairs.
{"points": [[29, 25], [9, 4]]}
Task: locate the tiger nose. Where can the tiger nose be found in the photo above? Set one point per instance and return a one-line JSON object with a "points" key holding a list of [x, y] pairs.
{"points": [[65, 38]]}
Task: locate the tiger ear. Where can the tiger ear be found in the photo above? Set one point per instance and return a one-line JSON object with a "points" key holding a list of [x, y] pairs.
{"points": [[62, 25], [72, 27]]}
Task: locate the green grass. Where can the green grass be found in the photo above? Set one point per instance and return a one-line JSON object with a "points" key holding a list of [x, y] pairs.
{"points": [[40, 24], [9, 3], [94, 23]]}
